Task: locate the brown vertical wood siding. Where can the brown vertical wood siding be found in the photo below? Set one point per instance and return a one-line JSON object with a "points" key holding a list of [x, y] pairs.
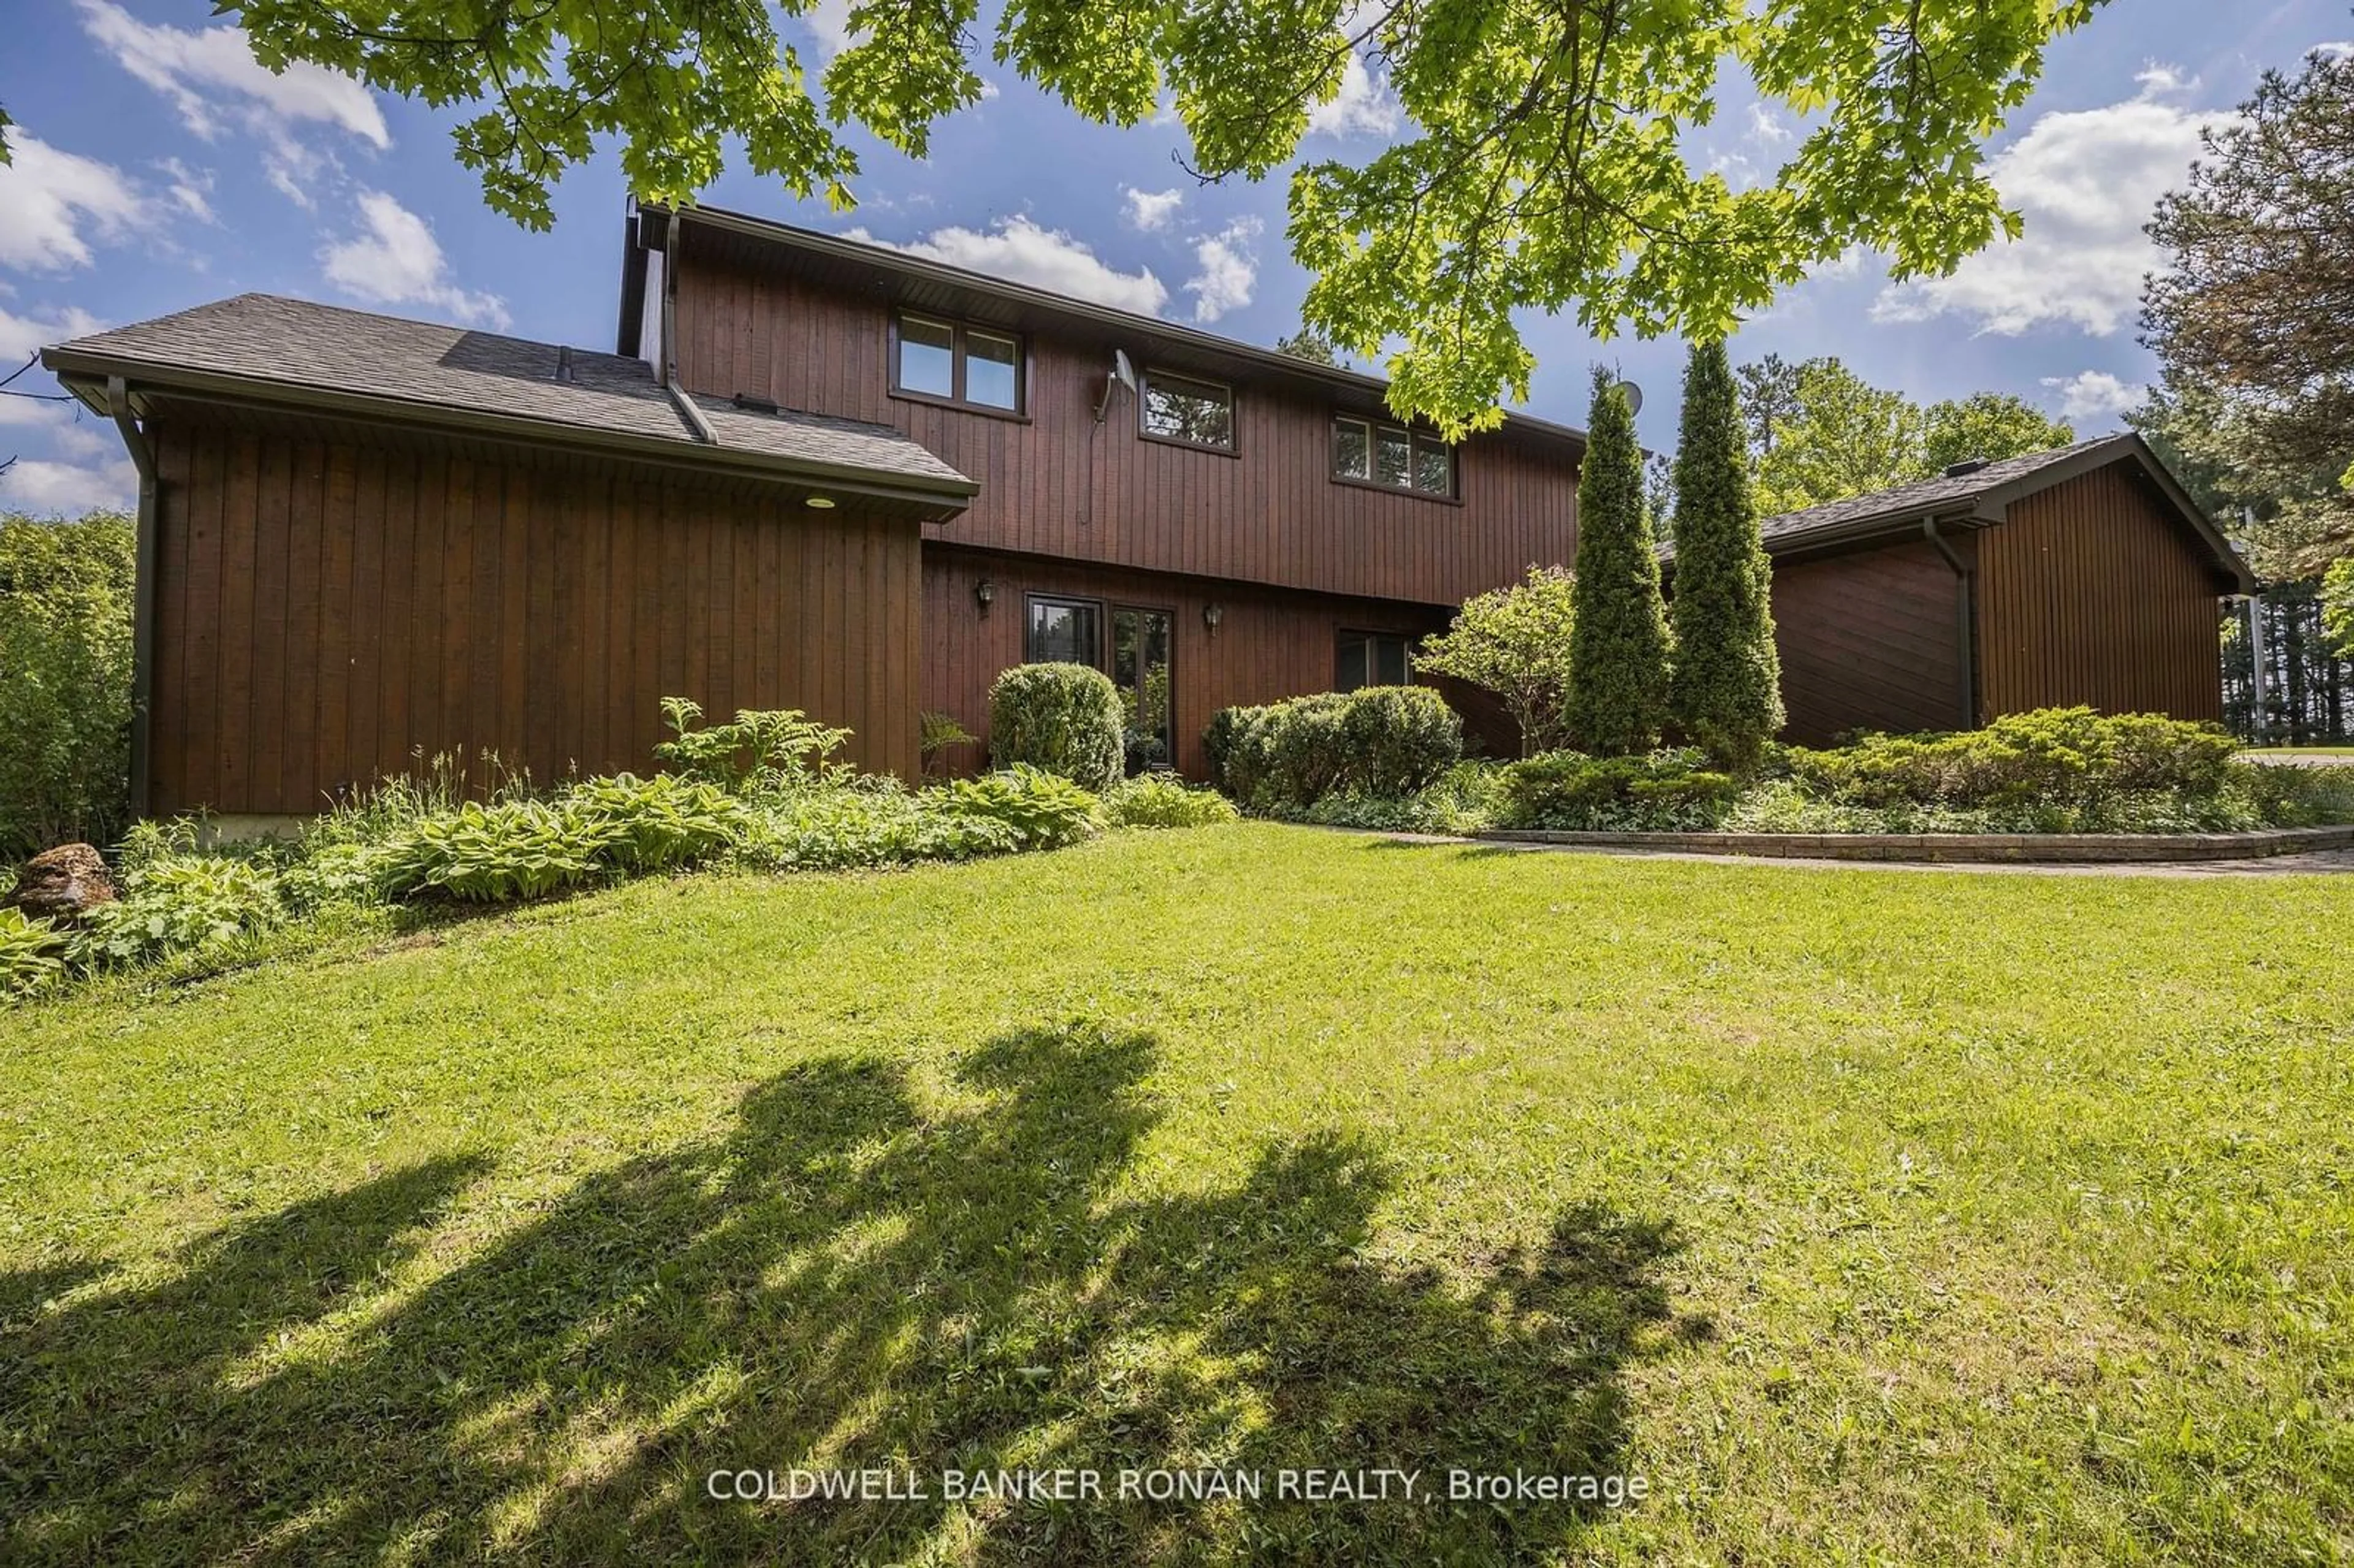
{"points": [[327, 610], [1057, 484], [1871, 640], [2091, 592], [1270, 644]]}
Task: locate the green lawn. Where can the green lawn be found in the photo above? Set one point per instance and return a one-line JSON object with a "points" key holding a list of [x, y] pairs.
{"points": [[1865, 1215]]}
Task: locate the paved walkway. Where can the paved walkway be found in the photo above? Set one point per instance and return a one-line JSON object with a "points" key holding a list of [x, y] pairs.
{"points": [[2326, 862]]}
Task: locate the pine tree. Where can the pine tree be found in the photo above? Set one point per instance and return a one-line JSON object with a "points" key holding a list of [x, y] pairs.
{"points": [[1727, 686], [1618, 643]]}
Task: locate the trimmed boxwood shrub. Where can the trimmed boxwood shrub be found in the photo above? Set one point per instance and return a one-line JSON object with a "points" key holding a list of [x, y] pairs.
{"points": [[1063, 718], [1377, 740], [1666, 791], [1218, 737]]}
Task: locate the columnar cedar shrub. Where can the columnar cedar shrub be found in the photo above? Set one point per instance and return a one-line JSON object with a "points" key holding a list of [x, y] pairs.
{"points": [[1618, 645], [1385, 741], [1063, 718], [1515, 642], [64, 682], [1726, 688]]}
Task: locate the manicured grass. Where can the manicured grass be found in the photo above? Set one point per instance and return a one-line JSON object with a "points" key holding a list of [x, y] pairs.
{"points": [[1867, 1216]]}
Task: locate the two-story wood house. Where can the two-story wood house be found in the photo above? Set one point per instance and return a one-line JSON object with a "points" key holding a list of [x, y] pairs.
{"points": [[820, 474], [831, 476]]}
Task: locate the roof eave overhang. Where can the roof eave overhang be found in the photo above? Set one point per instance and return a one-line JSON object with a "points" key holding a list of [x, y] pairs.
{"points": [[85, 375]]}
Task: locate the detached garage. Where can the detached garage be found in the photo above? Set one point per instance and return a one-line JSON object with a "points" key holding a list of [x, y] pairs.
{"points": [[2083, 575], [363, 540]]}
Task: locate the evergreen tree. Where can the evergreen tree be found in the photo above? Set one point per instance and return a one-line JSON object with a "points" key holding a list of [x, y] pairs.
{"points": [[1618, 641], [1727, 688]]}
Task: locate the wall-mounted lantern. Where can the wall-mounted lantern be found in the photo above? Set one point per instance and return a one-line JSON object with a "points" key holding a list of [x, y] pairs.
{"points": [[985, 593], [1213, 613]]}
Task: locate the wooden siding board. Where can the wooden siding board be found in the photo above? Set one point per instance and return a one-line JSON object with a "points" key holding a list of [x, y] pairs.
{"points": [[1060, 484], [579, 601], [2092, 593], [1270, 643]]}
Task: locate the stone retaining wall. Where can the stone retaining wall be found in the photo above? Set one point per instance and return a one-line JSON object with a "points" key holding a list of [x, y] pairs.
{"points": [[2047, 847]]}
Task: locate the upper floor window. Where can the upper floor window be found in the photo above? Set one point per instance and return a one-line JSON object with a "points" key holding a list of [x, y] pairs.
{"points": [[1374, 453], [1197, 413], [956, 364]]}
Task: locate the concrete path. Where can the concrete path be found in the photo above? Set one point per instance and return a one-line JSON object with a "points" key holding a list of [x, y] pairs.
{"points": [[2326, 863]]}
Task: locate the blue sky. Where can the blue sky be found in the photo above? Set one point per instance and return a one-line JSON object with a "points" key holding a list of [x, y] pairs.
{"points": [[158, 167]]}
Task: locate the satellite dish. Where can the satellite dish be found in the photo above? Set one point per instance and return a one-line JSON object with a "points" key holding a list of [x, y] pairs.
{"points": [[1634, 396], [1123, 374]]}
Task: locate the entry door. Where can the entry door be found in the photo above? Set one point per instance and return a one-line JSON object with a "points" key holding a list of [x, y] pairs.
{"points": [[1140, 645]]}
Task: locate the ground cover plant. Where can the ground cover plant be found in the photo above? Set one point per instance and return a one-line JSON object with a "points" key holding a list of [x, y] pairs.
{"points": [[2019, 1239], [2053, 770], [762, 791]]}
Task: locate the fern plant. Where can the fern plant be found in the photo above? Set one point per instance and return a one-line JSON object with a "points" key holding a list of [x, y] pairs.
{"points": [[759, 750]]}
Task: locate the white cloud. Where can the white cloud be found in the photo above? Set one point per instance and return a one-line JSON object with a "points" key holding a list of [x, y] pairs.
{"points": [[2335, 50], [2096, 394], [395, 260], [197, 70], [192, 189], [1152, 210], [2157, 79], [1765, 127], [53, 204], [829, 22], [2084, 183], [41, 485], [1364, 105], [1229, 263], [20, 336], [1019, 249]]}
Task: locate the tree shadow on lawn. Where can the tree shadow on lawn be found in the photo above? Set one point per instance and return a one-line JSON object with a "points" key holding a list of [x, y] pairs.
{"points": [[847, 1280]]}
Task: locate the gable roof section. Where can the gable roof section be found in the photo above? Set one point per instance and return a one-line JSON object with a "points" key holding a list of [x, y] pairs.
{"points": [[922, 282], [1981, 498], [325, 359]]}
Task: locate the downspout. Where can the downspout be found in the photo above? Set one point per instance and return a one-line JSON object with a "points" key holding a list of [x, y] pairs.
{"points": [[1965, 619], [142, 589], [685, 404]]}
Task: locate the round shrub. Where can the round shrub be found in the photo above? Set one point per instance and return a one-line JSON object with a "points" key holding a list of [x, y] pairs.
{"points": [[1398, 739], [1063, 718], [1218, 737]]}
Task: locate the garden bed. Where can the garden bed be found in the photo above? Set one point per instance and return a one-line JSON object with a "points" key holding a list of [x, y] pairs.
{"points": [[2048, 848]]}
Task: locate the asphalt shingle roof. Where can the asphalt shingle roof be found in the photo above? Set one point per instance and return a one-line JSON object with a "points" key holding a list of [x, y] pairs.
{"points": [[295, 344], [1941, 493]]}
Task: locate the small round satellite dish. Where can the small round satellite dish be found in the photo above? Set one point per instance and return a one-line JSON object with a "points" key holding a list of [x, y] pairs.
{"points": [[1634, 396], [1121, 370]]}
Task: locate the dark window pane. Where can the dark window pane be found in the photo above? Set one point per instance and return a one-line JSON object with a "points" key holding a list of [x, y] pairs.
{"points": [[927, 357], [1192, 411], [991, 371], [1139, 657], [1389, 661], [1434, 468], [1352, 449], [1065, 631], [1392, 458], [1348, 670]]}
